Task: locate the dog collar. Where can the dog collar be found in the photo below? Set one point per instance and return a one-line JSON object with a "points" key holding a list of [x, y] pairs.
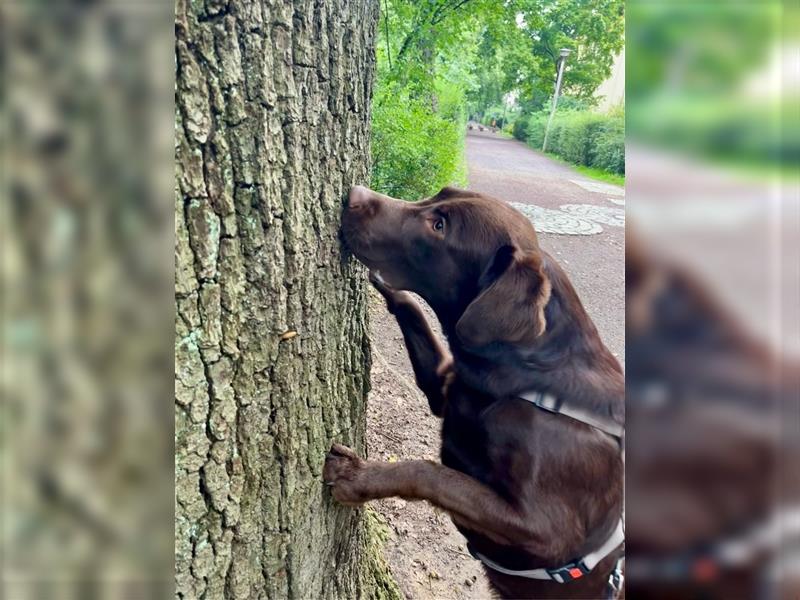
{"points": [[566, 573], [552, 404]]}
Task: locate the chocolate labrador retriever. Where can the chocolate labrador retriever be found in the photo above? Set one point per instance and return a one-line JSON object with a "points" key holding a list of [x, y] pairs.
{"points": [[531, 401]]}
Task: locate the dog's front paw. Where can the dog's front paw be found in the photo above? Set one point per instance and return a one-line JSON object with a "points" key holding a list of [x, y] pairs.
{"points": [[394, 298], [344, 472]]}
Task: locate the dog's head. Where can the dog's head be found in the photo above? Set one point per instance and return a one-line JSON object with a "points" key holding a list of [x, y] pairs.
{"points": [[474, 259]]}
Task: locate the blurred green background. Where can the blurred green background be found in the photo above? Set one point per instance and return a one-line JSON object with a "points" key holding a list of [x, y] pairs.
{"points": [[715, 80]]}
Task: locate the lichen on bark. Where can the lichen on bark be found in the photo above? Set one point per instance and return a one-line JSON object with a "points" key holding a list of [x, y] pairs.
{"points": [[272, 129]]}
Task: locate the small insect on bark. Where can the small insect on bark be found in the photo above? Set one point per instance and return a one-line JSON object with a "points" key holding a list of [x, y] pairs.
{"points": [[287, 335]]}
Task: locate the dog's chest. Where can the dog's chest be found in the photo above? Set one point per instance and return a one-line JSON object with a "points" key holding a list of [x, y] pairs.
{"points": [[465, 440]]}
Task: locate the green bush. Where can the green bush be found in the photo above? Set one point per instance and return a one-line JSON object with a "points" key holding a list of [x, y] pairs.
{"points": [[520, 130], [580, 137], [730, 130], [575, 137], [450, 101], [535, 130], [608, 150], [416, 151]]}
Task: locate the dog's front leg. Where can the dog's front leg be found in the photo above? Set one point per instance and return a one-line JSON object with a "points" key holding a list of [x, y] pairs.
{"points": [[432, 364], [472, 505]]}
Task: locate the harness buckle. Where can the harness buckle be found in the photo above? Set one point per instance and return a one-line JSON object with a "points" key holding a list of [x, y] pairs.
{"points": [[616, 579], [569, 572]]}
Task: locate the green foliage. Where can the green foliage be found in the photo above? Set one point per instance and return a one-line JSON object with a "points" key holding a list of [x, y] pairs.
{"points": [[440, 60], [608, 145], [577, 137], [532, 129], [695, 66], [572, 103], [728, 129], [594, 31], [702, 47], [450, 102], [415, 151], [580, 137], [519, 50], [601, 175], [520, 128], [426, 65]]}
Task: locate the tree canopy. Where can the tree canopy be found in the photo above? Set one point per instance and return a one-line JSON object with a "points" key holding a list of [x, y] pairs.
{"points": [[500, 47], [442, 60]]}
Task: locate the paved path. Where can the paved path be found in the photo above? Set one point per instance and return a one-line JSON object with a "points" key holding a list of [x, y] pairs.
{"points": [[595, 262]]}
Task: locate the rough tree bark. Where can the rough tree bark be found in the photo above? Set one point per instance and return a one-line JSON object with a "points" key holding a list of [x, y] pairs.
{"points": [[272, 355]]}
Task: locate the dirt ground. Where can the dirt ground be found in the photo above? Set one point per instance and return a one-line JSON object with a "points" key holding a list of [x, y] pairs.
{"points": [[425, 551]]}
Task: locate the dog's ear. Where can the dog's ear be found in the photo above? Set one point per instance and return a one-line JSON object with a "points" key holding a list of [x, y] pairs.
{"points": [[453, 192], [510, 305], [449, 192]]}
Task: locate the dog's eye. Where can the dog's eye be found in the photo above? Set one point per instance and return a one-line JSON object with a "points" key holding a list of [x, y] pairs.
{"points": [[438, 225]]}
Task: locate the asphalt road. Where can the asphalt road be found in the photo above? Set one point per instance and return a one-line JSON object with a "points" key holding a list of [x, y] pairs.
{"points": [[595, 262]]}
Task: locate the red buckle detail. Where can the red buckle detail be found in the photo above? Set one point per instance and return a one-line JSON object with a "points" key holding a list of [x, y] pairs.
{"points": [[705, 570], [575, 573], [569, 572]]}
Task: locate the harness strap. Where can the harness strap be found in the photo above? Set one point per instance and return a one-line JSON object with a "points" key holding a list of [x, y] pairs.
{"points": [[552, 404], [566, 573]]}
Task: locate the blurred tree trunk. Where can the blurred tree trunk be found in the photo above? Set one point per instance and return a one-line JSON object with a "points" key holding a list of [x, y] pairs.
{"points": [[272, 355]]}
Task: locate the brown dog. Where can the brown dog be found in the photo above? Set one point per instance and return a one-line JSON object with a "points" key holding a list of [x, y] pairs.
{"points": [[526, 487]]}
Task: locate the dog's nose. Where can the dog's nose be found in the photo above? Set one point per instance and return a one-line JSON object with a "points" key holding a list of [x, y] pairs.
{"points": [[359, 197]]}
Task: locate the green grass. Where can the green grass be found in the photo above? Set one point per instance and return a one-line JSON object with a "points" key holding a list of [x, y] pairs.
{"points": [[590, 172], [600, 175]]}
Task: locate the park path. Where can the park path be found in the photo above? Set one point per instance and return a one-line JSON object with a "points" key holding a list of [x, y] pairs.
{"points": [[595, 262], [427, 555]]}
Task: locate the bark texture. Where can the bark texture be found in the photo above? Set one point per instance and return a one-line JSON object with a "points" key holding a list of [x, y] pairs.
{"points": [[272, 355]]}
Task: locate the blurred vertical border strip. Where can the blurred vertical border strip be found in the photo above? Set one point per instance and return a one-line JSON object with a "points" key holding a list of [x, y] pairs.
{"points": [[86, 433], [789, 565], [713, 296]]}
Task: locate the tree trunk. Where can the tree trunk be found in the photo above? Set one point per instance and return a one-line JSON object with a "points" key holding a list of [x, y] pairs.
{"points": [[272, 355]]}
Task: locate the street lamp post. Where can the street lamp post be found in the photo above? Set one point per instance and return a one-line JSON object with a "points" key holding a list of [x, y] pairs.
{"points": [[563, 54]]}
